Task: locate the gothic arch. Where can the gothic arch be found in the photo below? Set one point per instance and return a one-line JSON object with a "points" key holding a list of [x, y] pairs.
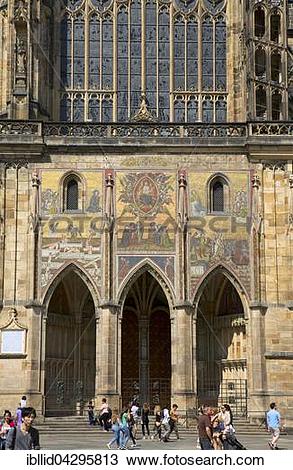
{"points": [[146, 266], [231, 276], [64, 270], [68, 342]]}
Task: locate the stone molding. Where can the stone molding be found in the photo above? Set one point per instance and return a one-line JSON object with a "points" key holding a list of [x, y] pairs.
{"points": [[279, 355]]}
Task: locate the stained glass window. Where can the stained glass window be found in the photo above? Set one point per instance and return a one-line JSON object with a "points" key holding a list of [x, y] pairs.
{"points": [[164, 64], [135, 56], [151, 56], [72, 195], [218, 197], [122, 66], [78, 51], [207, 53], [179, 53], [172, 55], [94, 52], [192, 54]]}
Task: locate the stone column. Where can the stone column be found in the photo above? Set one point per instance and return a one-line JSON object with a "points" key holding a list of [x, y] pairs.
{"points": [[256, 361], [2, 231], [144, 359], [194, 357], [289, 243], [182, 383], [107, 355], [33, 363]]}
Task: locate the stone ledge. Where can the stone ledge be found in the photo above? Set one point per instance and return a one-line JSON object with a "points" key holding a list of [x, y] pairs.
{"points": [[279, 355]]}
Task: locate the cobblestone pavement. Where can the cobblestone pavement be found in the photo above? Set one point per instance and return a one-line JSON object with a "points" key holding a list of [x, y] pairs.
{"points": [[59, 442]]}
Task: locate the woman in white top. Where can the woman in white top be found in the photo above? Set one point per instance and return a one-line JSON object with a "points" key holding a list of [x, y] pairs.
{"points": [[104, 415]]}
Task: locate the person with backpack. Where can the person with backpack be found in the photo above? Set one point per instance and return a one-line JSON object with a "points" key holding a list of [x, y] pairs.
{"points": [[25, 437]]}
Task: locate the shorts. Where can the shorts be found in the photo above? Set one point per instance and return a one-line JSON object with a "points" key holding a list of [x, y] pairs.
{"points": [[275, 432]]}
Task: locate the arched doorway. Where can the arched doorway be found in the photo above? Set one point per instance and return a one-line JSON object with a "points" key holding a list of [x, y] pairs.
{"points": [[221, 345], [146, 343], [70, 347]]}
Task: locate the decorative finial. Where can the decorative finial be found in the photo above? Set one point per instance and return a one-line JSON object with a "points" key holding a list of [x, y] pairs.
{"points": [[144, 114]]}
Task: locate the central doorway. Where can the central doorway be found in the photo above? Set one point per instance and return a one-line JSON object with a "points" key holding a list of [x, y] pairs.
{"points": [[146, 344]]}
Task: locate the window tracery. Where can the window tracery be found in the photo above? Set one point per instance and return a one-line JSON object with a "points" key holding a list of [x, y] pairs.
{"points": [[115, 51], [269, 52]]}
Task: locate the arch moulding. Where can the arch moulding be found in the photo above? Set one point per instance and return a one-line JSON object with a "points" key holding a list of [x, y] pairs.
{"points": [[146, 266], [222, 268], [61, 274]]}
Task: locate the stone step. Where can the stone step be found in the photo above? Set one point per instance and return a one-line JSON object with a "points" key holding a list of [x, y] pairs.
{"points": [[79, 424], [183, 433]]}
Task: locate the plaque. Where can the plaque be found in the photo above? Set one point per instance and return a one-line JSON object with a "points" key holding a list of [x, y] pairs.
{"points": [[13, 341]]}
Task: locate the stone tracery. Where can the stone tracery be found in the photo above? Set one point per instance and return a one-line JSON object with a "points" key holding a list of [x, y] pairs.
{"points": [[115, 52]]}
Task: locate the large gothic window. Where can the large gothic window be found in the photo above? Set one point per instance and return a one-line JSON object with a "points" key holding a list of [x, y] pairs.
{"points": [[169, 54]]}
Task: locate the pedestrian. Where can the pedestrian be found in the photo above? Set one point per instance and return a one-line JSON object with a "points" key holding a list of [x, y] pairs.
{"points": [[145, 420], [218, 428], [165, 423], [173, 421], [130, 424], [6, 424], [23, 402], [18, 415], [116, 426], [91, 414], [124, 436], [228, 435], [158, 422], [104, 415], [273, 425], [135, 411], [25, 437], [227, 418], [205, 431]]}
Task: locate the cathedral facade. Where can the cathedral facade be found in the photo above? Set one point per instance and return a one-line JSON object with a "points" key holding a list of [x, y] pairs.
{"points": [[146, 204]]}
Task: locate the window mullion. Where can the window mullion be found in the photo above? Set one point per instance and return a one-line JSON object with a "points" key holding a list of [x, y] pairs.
{"points": [[115, 61], [143, 47], [171, 52], [86, 63], [129, 58]]}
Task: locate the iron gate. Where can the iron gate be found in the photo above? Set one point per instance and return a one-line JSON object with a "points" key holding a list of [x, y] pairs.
{"points": [[158, 393], [232, 392], [66, 397]]}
